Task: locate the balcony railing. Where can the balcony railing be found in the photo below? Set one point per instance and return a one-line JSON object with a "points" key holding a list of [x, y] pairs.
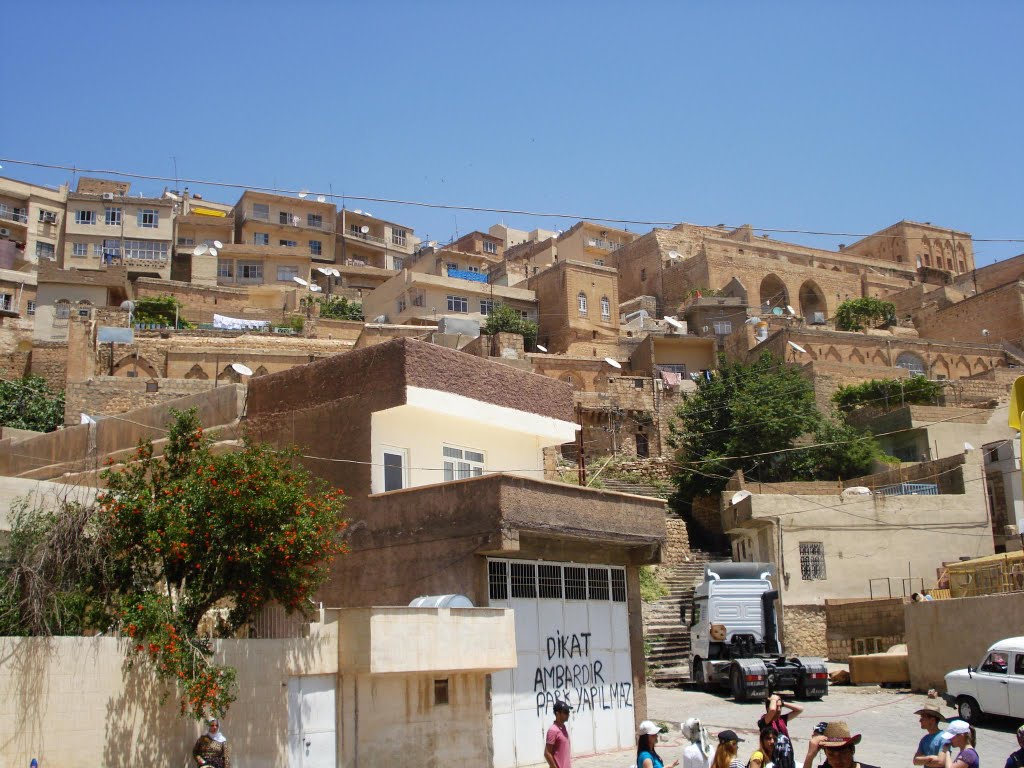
{"points": [[604, 245], [9, 215], [290, 220], [368, 238]]}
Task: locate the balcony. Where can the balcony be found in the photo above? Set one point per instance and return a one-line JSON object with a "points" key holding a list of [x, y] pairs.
{"points": [[295, 220], [13, 216], [368, 238], [601, 245]]}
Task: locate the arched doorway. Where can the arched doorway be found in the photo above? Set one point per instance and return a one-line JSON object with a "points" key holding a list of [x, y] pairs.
{"points": [[911, 362], [773, 293], [812, 302], [643, 448]]}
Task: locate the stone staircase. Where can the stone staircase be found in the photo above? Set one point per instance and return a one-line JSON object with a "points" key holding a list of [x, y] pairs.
{"points": [[666, 637], [637, 489]]}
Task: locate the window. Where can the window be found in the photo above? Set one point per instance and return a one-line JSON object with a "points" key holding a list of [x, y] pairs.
{"points": [[606, 308], [287, 243], [85, 217], [225, 268], [453, 267], [80, 249], [549, 581], [812, 561], [112, 217], [286, 274], [458, 304], [911, 362], [597, 583], [314, 220], [722, 327], [643, 274], [598, 262], [45, 251], [149, 218], [111, 249], [460, 463], [441, 692], [400, 305], [398, 236], [419, 298], [250, 270], [490, 247], [486, 306], [31, 310], [260, 238], [524, 579], [13, 214], [152, 250], [471, 268], [84, 308], [186, 241], [618, 585], [497, 580], [283, 217], [316, 248], [394, 470], [6, 301], [62, 309], [261, 211], [575, 583], [397, 263], [995, 664], [97, 250], [47, 217], [581, 302], [1018, 664]]}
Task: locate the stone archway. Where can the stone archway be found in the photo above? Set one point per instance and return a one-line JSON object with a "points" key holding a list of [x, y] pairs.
{"points": [[812, 301], [773, 293], [197, 372], [135, 367], [229, 374]]}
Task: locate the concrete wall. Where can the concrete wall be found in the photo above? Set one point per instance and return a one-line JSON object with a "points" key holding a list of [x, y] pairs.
{"points": [[943, 635], [70, 701]]}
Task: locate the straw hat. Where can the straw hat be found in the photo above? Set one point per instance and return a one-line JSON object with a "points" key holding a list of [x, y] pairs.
{"points": [[837, 734]]}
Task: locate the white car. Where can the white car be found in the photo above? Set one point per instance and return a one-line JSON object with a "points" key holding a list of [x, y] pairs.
{"points": [[996, 687]]}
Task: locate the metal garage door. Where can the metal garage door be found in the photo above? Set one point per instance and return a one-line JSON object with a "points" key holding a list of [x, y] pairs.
{"points": [[572, 640]]}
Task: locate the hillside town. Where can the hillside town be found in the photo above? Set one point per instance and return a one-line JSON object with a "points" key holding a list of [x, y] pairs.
{"points": [[512, 417]]}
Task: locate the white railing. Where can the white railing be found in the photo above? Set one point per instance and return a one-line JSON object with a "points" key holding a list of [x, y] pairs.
{"points": [[9, 215], [368, 238]]}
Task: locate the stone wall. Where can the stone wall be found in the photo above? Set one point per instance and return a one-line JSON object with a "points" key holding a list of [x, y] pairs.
{"points": [[15, 344], [804, 630], [49, 359], [677, 542], [847, 621], [113, 394]]}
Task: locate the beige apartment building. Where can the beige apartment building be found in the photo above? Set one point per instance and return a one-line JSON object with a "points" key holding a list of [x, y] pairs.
{"points": [[202, 225], [479, 242], [445, 261], [592, 243], [304, 227], [106, 226], [417, 296], [267, 272], [370, 251], [31, 218], [511, 236]]}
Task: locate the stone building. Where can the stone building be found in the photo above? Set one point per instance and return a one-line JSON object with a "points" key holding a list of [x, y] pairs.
{"points": [[579, 302]]}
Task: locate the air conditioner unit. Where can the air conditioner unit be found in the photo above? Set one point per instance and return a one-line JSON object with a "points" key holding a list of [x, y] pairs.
{"points": [[4, 231], [108, 195]]}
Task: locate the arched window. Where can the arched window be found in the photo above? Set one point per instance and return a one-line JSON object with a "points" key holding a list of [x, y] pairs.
{"points": [[606, 308], [62, 309], [581, 301], [912, 363]]}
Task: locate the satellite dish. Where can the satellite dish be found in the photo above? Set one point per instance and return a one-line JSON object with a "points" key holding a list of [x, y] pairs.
{"points": [[364, 229], [358, 211], [334, 272], [380, 319], [303, 193], [321, 199], [218, 244], [245, 370], [777, 310], [200, 249], [612, 362], [739, 496], [300, 281], [128, 305], [791, 310], [797, 347], [968, 447], [856, 490], [367, 213], [315, 288], [323, 270], [541, 348], [213, 251], [986, 332], [752, 321], [673, 322]]}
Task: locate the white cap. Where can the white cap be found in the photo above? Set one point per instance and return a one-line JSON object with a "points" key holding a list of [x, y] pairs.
{"points": [[955, 728], [649, 728]]}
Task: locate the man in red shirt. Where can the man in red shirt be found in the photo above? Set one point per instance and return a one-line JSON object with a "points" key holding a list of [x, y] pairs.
{"points": [[557, 751]]}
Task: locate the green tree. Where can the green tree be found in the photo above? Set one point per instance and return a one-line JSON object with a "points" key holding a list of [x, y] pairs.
{"points": [[504, 319], [175, 535], [884, 392], [765, 408], [159, 310], [30, 403], [857, 314], [340, 308]]}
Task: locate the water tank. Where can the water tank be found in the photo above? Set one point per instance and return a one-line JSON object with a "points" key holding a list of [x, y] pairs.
{"points": [[441, 601]]}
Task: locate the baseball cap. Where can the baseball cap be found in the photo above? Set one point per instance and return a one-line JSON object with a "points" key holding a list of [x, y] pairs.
{"points": [[561, 706], [651, 728], [955, 728], [725, 736]]}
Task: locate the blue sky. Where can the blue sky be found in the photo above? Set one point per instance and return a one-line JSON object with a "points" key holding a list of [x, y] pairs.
{"points": [[841, 117]]}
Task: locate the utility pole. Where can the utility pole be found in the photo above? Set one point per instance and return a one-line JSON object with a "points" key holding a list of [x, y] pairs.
{"points": [[581, 464]]}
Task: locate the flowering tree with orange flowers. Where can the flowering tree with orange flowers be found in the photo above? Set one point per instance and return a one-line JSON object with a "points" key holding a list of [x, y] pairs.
{"points": [[193, 531]]}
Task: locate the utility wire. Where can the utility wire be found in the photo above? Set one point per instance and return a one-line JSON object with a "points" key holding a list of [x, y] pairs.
{"points": [[448, 206]]}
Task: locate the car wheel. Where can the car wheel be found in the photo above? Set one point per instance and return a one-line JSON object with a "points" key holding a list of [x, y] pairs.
{"points": [[736, 683], [968, 709]]}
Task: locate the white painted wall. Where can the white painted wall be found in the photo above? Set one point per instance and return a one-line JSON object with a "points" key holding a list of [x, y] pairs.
{"points": [[511, 440]]}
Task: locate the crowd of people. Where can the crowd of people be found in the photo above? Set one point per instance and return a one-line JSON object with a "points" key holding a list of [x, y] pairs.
{"points": [[949, 747]]}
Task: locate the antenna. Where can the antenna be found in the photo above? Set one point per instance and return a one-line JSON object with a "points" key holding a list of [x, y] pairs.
{"points": [[245, 370], [300, 281], [739, 496], [612, 362]]}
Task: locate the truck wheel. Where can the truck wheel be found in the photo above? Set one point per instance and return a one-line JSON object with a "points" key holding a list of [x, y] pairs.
{"points": [[969, 710], [739, 692], [697, 672]]}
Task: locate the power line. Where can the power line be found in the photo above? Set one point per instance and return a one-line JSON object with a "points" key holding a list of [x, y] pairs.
{"points": [[452, 207]]}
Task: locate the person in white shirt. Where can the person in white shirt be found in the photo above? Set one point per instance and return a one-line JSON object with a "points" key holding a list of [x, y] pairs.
{"points": [[698, 753]]}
